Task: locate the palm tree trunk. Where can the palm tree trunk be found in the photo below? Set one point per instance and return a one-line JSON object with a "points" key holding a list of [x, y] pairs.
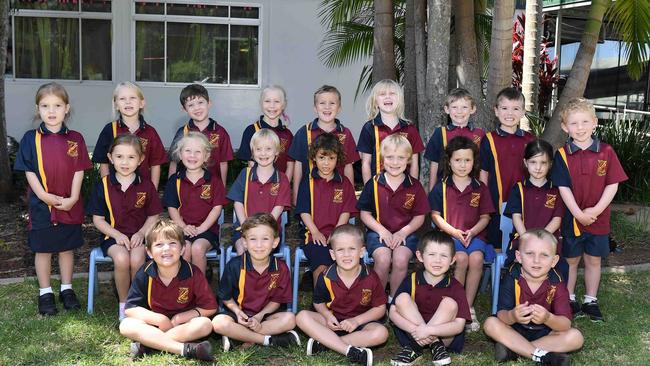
{"points": [[530, 74], [577, 81], [500, 66], [383, 59], [5, 169], [410, 84]]}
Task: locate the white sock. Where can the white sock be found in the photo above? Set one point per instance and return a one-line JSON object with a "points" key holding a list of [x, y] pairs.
{"points": [[46, 290], [538, 354], [267, 340], [347, 350], [587, 299], [66, 287], [572, 297], [122, 306], [390, 299], [183, 350]]}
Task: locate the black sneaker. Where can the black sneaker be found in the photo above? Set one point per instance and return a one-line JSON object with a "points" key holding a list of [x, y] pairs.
{"points": [[137, 350], [592, 310], [314, 347], [503, 353], [555, 359], [200, 351], [439, 354], [287, 339], [47, 305], [575, 309], [360, 355], [69, 300], [406, 357]]}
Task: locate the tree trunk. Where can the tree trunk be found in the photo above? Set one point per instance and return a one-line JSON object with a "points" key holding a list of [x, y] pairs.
{"points": [[383, 59], [5, 168], [577, 81], [530, 74], [425, 114], [500, 66], [410, 86]]}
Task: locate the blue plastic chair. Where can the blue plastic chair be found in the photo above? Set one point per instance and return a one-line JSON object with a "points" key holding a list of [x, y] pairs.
{"points": [[499, 260]]}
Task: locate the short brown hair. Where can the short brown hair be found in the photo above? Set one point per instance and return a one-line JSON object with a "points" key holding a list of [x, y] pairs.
{"points": [[327, 142], [260, 219], [130, 140], [327, 89], [457, 94], [166, 229], [348, 229]]}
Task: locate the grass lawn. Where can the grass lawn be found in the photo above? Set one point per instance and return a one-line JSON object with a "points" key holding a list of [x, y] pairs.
{"points": [[79, 339]]}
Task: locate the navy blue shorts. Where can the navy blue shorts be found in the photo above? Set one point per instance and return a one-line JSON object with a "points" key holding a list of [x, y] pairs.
{"points": [[317, 255], [594, 245], [208, 235], [494, 231], [55, 239], [373, 243], [531, 334]]}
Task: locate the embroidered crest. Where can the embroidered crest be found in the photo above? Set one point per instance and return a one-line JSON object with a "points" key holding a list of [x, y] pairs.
{"points": [[205, 192], [338, 195], [273, 283], [140, 199], [551, 294], [602, 168], [550, 200], [275, 189], [366, 296], [476, 139], [475, 200], [283, 145], [408, 201], [183, 295], [73, 149], [214, 140], [404, 134], [341, 137], [144, 143]]}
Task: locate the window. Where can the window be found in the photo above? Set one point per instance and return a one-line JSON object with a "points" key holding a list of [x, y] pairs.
{"points": [[207, 42], [62, 39]]}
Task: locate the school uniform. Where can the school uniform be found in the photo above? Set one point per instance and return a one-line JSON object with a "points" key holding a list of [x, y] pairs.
{"points": [[54, 158], [284, 134], [299, 150], [153, 148], [375, 131], [587, 173], [427, 297], [324, 201], [219, 140], [188, 290], [194, 201], [502, 156], [435, 149], [463, 210], [124, 211], [552, 295], [252, 290]]}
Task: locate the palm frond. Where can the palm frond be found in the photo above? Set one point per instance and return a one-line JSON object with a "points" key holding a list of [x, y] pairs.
{"points": [[346, 44], [333, 12], [365, 81], [631, 20], [483, 30]]}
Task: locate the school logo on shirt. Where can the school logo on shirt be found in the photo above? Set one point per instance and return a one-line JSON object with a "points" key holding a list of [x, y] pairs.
{"points": [[338, 195], [275, 189], [366, 296], [183, 295], [205, 192], [341, 137], [477, 139], [140, 199], [602, 168], [283, 145], [475, 200], [550, 200], [408, 201], [551, 294], [214, 140], [73, 149], [144, 143], [404, 134], [273, 283]]}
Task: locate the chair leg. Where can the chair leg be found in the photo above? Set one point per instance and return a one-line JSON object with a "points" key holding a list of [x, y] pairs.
{"points": [[295, 279], [92, 268], [496, 279]]}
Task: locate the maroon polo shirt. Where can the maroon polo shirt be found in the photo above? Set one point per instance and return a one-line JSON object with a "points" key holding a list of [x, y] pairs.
{"points": [[365, 293], [393, 209], [194, 201], [257, 196], [188, 290], [251, 290]]}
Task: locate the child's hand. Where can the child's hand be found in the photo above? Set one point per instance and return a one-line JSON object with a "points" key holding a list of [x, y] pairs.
{"points": [[385, 237], [52, 199], [123, 240], [458, 234], [319, 238], [333, 323], [398, 239], [540, 314], [190, 230], [585, 219], [467, 237], [136, 240], [254, 324], [164, 323], [349, 325], [65, 204], [420, 333], [182, 318], [523, 313], [591, 213], [242, 318]]}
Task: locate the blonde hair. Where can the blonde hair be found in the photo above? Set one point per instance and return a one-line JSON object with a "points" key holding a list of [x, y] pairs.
{"points": [[272, 88], [396, 141], [55, 89], [371, 103], [192, 135], [265, 134], [577, 105], [165, 229], [118, 88], [347, 229], [541, 234], [327, 89]]}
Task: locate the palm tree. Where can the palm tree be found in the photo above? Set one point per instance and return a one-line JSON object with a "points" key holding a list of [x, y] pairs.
{"points": [[383, 56], [500, 65], [530, 75]]}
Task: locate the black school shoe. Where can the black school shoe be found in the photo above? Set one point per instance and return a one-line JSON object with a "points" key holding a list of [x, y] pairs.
{"points": [[47, 304], [406, 357], [503, 354], [69, 300], [285, 339], [576, 310], [314, 347], [592, 310], [555, 359], [359, 356], [439, 354], [199, 351], [137, 350]]}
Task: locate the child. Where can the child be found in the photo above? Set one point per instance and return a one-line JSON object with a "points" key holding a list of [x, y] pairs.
{"points": [[327, 104], [194, 198], [393, 205], [255, 289], [260, 188], [273, 101], [430, 308], [128, 107], [501, 154], [461, 207], [460, 106], [54, 159], [170, 301], [325, 200], [350, 303], [534, 316], [587, 172], [385, 108], [535, 203], [196, 102], [124, 207]]}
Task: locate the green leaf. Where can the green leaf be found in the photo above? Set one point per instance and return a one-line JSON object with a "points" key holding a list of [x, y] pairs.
{"points": [[631, 20]]}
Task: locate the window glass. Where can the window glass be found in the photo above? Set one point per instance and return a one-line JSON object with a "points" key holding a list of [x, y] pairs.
{"points": [[243, 54], [197, 52], [96, 49], [149, 51]]}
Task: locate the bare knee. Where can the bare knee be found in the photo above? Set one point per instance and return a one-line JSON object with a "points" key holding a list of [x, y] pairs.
{"points": [[221, 323], [461, 260], [128, 327], [121, 261], [382, 259], [203, 325], [378, 334], [288, 319], [401, 262], [448, 305], [303, 318], [492, 326], [575, 338], [476, 260]]}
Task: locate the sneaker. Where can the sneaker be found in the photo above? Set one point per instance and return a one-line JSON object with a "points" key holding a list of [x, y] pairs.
{"points": [[285, 339], [69, 300], [360, 355], [226, 343], [314, 347], [47, 305], [137, 350], [503, 353], [575, 309], [474, 326], [592, 310], [199, 351], [555, 359], [406, 357], [439, 354]]}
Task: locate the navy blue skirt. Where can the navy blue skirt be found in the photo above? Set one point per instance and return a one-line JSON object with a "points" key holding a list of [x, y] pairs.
{"points": [[55, 239]]}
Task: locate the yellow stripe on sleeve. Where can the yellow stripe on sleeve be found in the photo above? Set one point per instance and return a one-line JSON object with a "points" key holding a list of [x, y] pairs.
{"points": [[248, 176], [413, 286], [496, 169], [242, 281], [521, 195], [576, 229], [376, 194], [39, 158], [377, 154], [444, 137], [178, 192], [149, 285], [311, 164], [107, 199], [328, 284], [517, 292], [444, 200], [114, 128]]}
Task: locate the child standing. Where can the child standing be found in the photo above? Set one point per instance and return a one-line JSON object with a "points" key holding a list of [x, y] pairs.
{"points": [[325, 200], [461, 207], [194, 198], [385, 108], [54, 158], [350, 303], [534, 316], [262, 187], [128, 107], [273, 101], [460, 106], [196, 102], [430, 308], [124, 207], [327, 104], [170, 301], [255, 289], [587, 172], [393, 205]]}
